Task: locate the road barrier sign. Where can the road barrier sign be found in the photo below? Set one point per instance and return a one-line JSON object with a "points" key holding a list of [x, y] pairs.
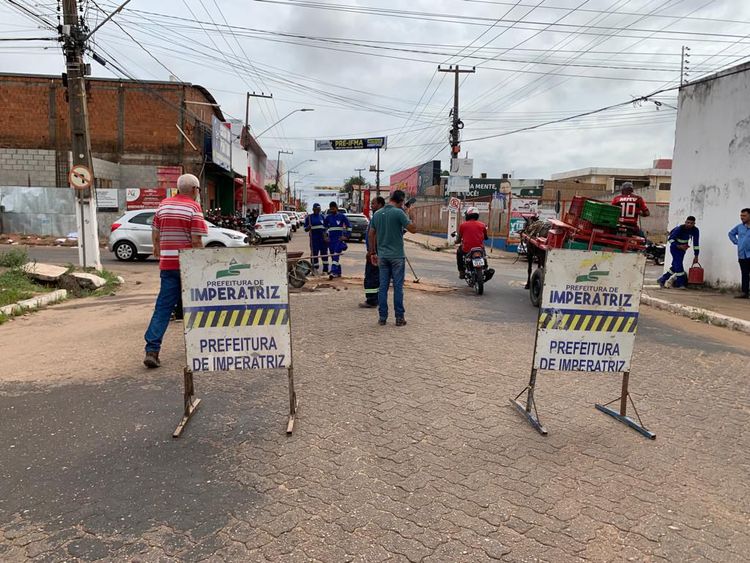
{"points": [[587, 321], [236, 315]]}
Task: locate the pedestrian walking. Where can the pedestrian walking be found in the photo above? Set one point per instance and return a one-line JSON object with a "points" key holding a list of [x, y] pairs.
{"points": [[386, 243], [337, 232], [314, 224], [678, 240], [372, 272], [740, 237], [178, 224]]}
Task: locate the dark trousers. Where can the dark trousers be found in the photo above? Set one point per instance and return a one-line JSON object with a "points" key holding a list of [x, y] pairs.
{"points": [[372, 283], [745, 275], [460, 259]]}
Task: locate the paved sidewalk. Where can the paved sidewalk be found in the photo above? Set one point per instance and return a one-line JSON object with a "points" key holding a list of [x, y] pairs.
{"points": [[704, 305], [406, 448]]}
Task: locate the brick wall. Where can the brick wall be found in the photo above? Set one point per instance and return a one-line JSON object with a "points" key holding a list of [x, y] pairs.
{"points": [[27, 167], [124, 117]]}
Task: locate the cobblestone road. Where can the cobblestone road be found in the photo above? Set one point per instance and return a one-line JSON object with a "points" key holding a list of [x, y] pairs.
{"points": [[406, 449]]}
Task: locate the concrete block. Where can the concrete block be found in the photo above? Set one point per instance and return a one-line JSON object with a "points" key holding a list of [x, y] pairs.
{"points": [[44, 272], [89, 281]]}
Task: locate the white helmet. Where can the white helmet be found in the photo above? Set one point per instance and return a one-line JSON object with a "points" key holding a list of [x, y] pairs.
{"points": [[472, 211]]}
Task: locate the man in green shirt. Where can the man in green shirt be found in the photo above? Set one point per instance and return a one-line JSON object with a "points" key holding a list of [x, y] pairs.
{"points": [[386, 243]]}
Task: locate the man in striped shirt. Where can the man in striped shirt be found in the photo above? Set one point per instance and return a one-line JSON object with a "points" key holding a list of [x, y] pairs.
{"points": [[178, 224]]}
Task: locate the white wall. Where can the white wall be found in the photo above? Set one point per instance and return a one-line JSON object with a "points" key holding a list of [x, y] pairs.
{"points": [[711, 169]]}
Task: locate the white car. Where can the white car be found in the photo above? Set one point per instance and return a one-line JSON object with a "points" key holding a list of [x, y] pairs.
{"points": [[291, 218], [130, 236], [273, 226]]}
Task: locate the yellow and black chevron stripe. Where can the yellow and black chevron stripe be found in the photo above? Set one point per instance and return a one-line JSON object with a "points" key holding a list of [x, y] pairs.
{"points": [[588, 321], [215, 317]]}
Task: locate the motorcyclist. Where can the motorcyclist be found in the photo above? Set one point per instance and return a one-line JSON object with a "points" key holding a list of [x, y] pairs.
{"points": [[471, 234]]}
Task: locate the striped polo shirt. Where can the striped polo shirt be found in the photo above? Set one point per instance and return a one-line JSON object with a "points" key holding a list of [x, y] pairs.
{"points": [[178, 219]]}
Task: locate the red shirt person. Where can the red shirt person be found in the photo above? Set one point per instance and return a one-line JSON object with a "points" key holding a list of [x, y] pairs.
{"points": [[471, 234], [178, 224], [631, 207]]}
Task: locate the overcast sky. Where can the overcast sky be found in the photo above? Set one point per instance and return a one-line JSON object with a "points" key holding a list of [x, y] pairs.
{"points": [[368, 67]]}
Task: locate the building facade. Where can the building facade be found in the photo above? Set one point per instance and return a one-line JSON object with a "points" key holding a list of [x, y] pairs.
{"points": [[654, 183], [712, 166], [137, 129]]}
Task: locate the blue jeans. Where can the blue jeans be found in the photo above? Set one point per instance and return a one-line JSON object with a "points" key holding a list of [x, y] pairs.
{"points": [[169, 296], [391, 269]]}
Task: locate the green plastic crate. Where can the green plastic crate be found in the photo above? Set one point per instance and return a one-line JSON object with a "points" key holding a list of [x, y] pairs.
{"points": [[601, 214]]}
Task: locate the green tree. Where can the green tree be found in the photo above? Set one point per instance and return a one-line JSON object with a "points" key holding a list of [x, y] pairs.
{"points": [[445, 173], [272, 188], [351, 183]]}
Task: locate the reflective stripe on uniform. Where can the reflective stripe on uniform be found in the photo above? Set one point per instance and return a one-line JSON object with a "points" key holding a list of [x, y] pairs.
{"points": [[333, 229], [371, 290], [314, 227]]}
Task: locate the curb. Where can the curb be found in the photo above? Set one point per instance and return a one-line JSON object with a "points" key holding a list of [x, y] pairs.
{"points": [[697, 314], [447, 248], [427, 245], [34, 302]]}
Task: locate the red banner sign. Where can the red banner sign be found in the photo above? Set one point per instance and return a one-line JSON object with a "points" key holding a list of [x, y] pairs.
{"points": [[144, 198]]}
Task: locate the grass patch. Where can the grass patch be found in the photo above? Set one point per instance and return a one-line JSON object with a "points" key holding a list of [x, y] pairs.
{"points": [[16, 286], [13, 258]]}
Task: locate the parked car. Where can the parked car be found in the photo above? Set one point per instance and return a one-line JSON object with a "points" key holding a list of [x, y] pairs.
{"points": [[273, 226], [130, 236], [359, 226], [292, 221]]}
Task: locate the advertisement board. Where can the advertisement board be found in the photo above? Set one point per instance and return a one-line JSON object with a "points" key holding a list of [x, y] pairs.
{"points": [[351, 144], [107, 199], [415, 180], [589, 311], [236, 308], [144, 198], [221, 143], [482, 187]]}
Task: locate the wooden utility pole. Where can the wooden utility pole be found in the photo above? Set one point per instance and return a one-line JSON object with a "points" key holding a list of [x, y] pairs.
{"points": [[73, 38], [457, 124]]}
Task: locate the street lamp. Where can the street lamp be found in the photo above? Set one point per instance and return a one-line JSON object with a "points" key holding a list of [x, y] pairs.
{"points": [[282, 119]]}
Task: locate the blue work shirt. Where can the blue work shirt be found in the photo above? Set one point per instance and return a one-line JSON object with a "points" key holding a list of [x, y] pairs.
{"points": [[314, 224], [337, 226], [682, 235], [740, 236]]}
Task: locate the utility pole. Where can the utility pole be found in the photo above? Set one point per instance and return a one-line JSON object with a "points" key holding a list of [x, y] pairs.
{"points": [[245, 142], [376, 168], [278, 163], [74, 35], [359, 191], [457, 124]]}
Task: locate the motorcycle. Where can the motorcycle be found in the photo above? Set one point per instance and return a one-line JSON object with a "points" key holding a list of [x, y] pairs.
{"points": [[655, 252], [477, 270]]}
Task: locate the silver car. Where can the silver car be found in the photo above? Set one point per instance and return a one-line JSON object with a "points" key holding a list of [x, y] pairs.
{"points": [[130, 237]]}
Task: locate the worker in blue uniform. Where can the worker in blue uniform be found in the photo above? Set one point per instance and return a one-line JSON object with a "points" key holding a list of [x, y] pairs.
{"points": [[337, 232], [678, 241], [314, 224], [372, 273]]}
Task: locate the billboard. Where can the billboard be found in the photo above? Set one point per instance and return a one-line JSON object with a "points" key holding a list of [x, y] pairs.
{"points": [[144, 198], [351, 144], [482, 187], [415, 180], [221, 143]]}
